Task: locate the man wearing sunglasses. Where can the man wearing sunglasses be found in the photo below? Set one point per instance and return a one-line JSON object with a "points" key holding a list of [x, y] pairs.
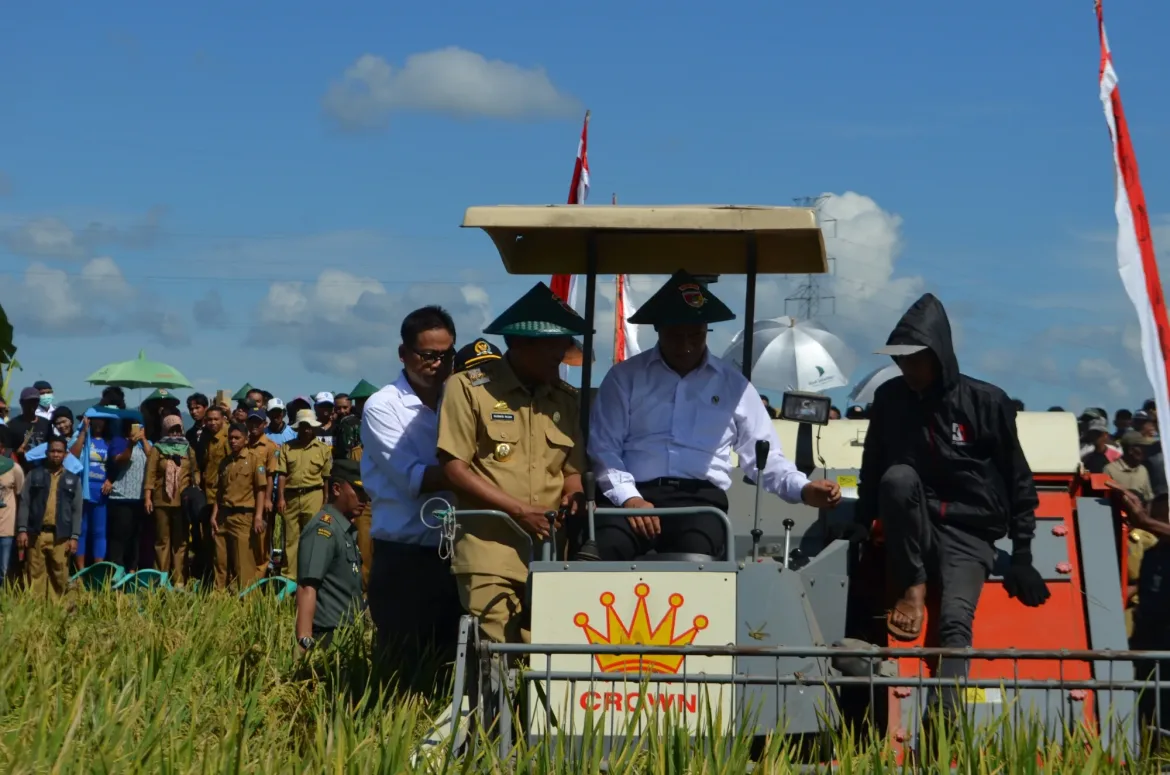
{"points": [[412, 595]]}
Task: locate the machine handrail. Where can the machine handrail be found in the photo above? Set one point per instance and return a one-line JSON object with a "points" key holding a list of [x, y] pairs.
{"points": [[729, 543], [457, 513]]}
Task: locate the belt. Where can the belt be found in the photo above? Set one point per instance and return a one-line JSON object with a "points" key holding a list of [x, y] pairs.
{"points": [[682, 485], [302, 490], [48, 529]]}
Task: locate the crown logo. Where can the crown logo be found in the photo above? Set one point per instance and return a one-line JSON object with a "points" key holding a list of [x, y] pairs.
{"points": [[640, 632]]}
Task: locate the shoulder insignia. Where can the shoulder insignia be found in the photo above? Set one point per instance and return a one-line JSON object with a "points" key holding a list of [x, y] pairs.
{"points": [[324, 533], [260, 469], [326, 519], [565, 386], [474, 374]]}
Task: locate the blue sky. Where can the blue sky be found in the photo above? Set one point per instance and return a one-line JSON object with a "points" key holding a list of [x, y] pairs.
{"points": [[203, 180]]}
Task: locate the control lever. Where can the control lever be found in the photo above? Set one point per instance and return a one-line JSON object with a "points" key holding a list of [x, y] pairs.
{"points": [[788, 525], [763, 447], [550, 544], [588, 551]]}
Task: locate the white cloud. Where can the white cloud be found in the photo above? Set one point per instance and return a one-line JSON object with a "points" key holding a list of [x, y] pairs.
{"points": [[449, 81], [1102, 373], [97, 301], [346, 325], [49, 237]]}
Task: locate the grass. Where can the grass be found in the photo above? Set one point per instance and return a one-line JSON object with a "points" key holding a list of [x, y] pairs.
{"points": [[173, 683]]}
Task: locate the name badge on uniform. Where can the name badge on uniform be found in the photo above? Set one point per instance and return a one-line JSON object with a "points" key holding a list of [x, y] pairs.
{"points": [[503, 416], [503, 451]]}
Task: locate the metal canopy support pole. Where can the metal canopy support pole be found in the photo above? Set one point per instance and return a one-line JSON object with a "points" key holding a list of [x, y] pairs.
{"points": [[587, 345], [749, 307]]}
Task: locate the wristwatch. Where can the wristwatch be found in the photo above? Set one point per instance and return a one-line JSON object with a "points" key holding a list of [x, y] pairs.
{"points": [[307, 642]]}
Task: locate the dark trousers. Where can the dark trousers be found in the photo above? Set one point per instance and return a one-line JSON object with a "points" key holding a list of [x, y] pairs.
{"points": [[698, 534], [922, 547], [123, 527], [414, 603]]}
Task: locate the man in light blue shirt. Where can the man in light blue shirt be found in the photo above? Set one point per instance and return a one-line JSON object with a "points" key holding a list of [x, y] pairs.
{"points": [[664, 425]]}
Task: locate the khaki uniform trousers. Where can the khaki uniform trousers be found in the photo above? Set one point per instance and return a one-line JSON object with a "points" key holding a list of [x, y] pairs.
{"points": [[171, 534], [46, 565], [300, 507], [238, 551], [365, 543], [498, 603]]}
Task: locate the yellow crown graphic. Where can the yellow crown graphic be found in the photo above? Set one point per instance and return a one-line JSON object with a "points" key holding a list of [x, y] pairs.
{"points": [[639, 633]]}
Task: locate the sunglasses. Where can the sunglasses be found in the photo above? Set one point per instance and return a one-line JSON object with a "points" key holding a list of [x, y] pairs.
{"points": [[434, 356]]}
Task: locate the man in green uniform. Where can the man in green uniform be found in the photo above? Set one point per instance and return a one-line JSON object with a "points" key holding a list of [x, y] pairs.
{"points": [[348, 444], [510, 440], [329, 578]]}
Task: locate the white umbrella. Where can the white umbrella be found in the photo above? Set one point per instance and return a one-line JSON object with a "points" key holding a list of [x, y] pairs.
{"points": [[788, 354], [863, 391]]}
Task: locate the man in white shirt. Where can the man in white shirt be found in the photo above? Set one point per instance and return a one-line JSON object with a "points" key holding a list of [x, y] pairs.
{"points": [[412, 595], [664, 425]]}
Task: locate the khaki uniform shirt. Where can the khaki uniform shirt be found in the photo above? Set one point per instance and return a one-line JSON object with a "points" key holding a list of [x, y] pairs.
{"points": [[240, 478], [217, 450], [50, 519], [525, 443], [1133, 478], [156, 477], [305, 465], [265, 452]]}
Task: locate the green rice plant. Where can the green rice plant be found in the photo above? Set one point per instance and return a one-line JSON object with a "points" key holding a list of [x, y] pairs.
{"points": [[183, 684]]}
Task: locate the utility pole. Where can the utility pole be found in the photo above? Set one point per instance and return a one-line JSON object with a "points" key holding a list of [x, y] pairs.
{"points": [[807, 298]]}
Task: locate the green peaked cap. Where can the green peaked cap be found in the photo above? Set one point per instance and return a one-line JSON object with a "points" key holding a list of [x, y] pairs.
{"points": [[538, 313], [681, 301], [363, 390]]}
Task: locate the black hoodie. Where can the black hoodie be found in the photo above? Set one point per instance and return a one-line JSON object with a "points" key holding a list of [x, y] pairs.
{"points": [[960, 437]]}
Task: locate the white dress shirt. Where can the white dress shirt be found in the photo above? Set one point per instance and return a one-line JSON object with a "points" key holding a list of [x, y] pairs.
{"points": [[648, 422], [399, 438]]}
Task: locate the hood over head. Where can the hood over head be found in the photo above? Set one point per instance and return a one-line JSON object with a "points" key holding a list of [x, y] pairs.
{"points": [[925, 325]]}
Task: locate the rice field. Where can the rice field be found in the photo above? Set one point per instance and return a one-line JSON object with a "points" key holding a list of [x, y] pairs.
{"points": [[176, 683]]}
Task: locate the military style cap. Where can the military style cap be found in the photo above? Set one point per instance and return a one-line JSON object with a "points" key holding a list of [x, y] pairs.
{"points": [[682, 301], [363, 390], [538, 313], [347, 471], [474, 354], [162, 394]]}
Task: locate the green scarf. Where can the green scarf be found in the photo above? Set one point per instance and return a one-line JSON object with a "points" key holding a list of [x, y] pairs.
{"points": [[172, 445], [6, 464]]}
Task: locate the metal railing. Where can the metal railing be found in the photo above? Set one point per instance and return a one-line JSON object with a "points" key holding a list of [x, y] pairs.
{"points": [[1107, 703]]}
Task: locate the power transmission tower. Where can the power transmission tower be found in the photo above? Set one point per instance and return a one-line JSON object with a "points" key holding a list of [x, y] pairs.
{"points": [[808, 297]]}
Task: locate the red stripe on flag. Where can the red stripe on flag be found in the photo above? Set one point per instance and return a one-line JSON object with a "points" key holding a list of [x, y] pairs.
{"points": [[562, 284]]}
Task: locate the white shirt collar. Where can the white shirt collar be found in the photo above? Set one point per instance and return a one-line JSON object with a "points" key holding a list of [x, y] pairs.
{"points": [[707, 363], [406, 390]]}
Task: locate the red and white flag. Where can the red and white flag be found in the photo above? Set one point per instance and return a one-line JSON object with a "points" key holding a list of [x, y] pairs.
{"points": [[625, 339], [1135, 247], [565, 285]]}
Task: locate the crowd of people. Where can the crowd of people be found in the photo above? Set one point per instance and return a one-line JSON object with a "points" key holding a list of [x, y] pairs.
{"points": [[348, 493]]}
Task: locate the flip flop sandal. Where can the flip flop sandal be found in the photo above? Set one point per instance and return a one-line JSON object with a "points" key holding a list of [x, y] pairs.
{"points": [[898, 632]]}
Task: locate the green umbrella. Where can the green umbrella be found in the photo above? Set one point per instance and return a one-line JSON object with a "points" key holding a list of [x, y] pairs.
{"points": [[139, 373], [242, 393]]}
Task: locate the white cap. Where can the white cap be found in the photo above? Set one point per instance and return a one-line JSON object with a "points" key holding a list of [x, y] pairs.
{"points": [[324, 397], [275, 403]]}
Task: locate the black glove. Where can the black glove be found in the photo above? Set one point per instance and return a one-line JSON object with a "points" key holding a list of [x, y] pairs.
{"points": [[853, 532], [1023, 581]]}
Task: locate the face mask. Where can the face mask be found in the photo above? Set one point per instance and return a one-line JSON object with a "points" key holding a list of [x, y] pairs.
{"points": [[46, 400]]}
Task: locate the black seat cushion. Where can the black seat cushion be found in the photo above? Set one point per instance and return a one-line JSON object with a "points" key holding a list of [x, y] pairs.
{"points": [[675, 557]]}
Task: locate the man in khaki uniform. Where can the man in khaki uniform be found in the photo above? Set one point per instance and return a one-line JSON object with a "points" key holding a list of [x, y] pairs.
{"points": [[49, 512], [264, 451], [238, 514], [217, 451], [510, 440], [304, 465]]}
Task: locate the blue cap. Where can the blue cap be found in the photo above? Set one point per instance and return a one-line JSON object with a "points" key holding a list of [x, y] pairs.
{"points": [[256, 414], [29, 394]]}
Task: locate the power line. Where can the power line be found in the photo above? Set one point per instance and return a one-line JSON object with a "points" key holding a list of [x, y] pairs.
{"points": [[808, 297]]}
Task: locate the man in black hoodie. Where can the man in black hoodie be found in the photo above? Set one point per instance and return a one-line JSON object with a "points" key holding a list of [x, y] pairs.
{"points": [[944, 471]]}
